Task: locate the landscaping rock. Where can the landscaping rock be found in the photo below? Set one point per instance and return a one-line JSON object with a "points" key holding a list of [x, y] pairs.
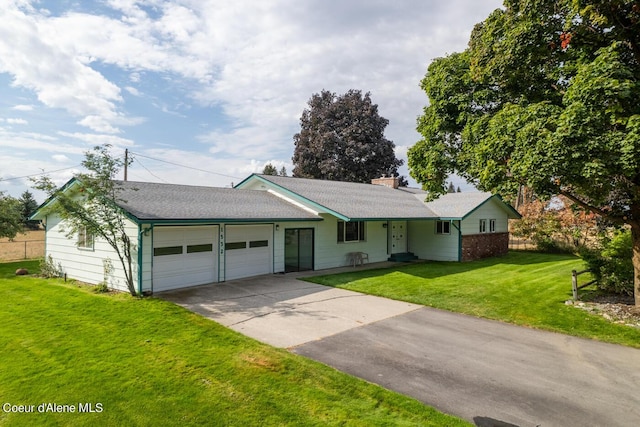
{"points": [[22, 272], [614, 308]]}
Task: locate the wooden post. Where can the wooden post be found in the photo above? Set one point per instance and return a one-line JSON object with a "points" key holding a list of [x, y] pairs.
{"points": [[25, 249], [574, 284]]}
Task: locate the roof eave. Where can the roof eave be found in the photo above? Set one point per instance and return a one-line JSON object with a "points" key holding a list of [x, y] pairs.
{"points": [[510, 209], [296, 196], [221, 220], [39, 212]]}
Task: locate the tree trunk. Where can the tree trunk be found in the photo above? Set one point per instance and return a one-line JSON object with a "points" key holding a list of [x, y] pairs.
{"points": [[635, 238], [132, 289]]}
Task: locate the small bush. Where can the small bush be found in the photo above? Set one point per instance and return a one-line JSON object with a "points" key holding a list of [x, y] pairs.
{"points": [[551, 246], [611, 264], [101, 288], [49, 269]]}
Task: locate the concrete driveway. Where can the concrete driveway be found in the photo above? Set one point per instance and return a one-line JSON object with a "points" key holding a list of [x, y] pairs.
{"points": [[285, 312], [490, 373]]}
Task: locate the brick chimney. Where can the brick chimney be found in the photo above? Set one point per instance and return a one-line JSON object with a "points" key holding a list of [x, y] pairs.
{"points": [[390, 181]]}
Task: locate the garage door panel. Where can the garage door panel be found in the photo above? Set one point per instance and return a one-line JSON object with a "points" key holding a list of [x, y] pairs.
{"points": [[249, 251], [184, 256]]}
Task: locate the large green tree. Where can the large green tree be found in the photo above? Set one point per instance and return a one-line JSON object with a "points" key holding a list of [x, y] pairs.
{"points": [[10, 217], [545, 96], [94, 207], [342, 139]]}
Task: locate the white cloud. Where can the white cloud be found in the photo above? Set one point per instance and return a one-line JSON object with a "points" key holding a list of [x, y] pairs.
{"points": [[256, 62], [23, 107], [29, 51], [17, 121], [60, 158], [133, 91], [98, 139]]}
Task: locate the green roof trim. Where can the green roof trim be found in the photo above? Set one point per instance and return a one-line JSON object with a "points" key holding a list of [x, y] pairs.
{"points": [[217, 221], [39, 212], [508, 207]]}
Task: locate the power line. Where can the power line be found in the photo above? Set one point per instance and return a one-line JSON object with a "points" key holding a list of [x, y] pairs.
{"points": [[188, 167], [152, 174], [39, 174]]}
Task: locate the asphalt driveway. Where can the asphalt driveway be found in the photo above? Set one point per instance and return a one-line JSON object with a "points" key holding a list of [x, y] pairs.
{"points": [[490, 373]]}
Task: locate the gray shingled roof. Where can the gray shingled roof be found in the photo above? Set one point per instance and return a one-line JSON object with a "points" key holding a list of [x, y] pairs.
{"points": [[354, 200], [459, 205], [152, 201]]}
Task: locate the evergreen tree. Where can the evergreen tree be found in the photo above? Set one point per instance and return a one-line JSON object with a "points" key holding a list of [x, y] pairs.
{"points": [[342, 139], [269, 169], [29, 206]]}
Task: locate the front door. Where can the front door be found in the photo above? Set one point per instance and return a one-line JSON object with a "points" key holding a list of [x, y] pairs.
{"points": [[298, 249], [398, 237]]}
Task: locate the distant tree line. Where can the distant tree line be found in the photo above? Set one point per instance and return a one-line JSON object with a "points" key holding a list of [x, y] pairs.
{"points": [[15, 214]]}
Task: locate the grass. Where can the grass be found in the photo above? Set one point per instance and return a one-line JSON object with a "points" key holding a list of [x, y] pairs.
{"points": [[524, 288], [150, 362]]}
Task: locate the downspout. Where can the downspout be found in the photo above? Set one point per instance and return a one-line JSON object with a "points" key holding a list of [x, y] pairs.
{"points": [[140, 233], [459, 239], [46, 221], [143, 232], [273, 248], [151, 273]]}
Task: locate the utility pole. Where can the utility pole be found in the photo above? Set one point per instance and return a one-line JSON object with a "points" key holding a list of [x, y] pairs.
{"points": [[126, 163]]}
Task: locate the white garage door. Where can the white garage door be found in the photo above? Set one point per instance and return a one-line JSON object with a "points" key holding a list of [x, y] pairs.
{"points": [[184, 256], [248, 250]]}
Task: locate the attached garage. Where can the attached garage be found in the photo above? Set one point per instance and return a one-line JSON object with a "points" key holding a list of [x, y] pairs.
{"points": [[248, 250], [184, 256]]}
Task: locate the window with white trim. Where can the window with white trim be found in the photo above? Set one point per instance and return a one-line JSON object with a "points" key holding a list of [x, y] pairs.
{"points": [[483, 226], [351, 231], [85, 239], [492, 226], [443, 227]]}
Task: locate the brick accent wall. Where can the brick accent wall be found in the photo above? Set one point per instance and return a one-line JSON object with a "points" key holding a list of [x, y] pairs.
{"points": [[477, 246]]}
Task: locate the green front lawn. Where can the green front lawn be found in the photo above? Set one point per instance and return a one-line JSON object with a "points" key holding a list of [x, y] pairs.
{"points": [[524, 288], [150, 362]]}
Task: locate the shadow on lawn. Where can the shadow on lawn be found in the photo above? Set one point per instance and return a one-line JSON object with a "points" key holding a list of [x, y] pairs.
{"points": [[434, 269]]}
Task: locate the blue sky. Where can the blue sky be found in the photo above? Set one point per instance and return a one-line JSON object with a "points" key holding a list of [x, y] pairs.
{"points": [[215, 85]]}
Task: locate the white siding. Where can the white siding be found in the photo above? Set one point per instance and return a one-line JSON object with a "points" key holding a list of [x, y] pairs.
{"points": [[489, 210], [426, 244], [328, 253], [87, 265]]}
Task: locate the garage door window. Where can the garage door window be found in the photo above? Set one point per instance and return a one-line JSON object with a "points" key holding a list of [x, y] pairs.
{"points": [[168, 250], [259, 244], [235, 245], [193, 249]]}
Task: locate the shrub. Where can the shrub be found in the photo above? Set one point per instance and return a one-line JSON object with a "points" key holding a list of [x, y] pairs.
{"points": [[49, 269], [101, 288], [611, 264]]}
